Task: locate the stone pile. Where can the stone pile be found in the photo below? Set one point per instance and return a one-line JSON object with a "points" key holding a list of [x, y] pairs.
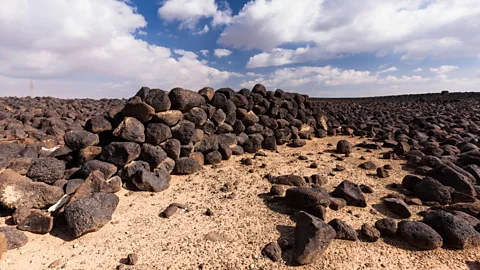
{"points": [[138, 145]]}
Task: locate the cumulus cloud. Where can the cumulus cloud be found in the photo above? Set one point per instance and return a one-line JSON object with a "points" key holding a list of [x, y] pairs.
{"points": [[443, 69], [203, 31], [390, 69], [91, 40], [222, 53], [293, 77], [377, 27], [204, 52], [418, 70], [278, 57], [189, 12]]}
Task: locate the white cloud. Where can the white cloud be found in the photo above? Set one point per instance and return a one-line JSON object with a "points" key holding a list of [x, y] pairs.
{"points": [[203, 31], [390, 69], [189, 12], [402, 80], [142, 33], [204, 52], [293, 77], [350, 27], [383, 66], [222, 53], [73, 41], [418, 70], [278, 57], [443, 69]]}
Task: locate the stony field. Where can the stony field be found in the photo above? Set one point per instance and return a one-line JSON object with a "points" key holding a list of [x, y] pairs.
{"points": [[253, 179]]}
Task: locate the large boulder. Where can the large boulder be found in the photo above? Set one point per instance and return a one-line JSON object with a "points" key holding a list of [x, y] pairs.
{"points": [[457, 233], [288, 180], [344, 147], [431, 190], [312, 238], [17, 190], [138, 109], [46, 170], [398, 207], [343, 230], [15, 238], [91, 213], [419, 234], [157, 99], [130, 129], [183, 100], [154, 155], [453, 176], [305, 198], [157, 133]]}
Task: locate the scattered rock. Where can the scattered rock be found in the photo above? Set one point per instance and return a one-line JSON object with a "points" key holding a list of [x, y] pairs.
{"points": [[343, 230], [272, 251], [419, 234], [386, 226], [398, 207], [351, 193], [369, 233]]}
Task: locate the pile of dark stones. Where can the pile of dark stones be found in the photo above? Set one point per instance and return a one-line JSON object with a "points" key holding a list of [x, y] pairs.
{"points": [[138, 143]]}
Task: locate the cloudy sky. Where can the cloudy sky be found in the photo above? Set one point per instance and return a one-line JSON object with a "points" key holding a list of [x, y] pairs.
{"points": [[110, 48]]}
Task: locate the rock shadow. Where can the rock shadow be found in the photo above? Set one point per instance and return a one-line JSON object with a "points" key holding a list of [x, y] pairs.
{"points": [[277, 204], [60, 229], [399, 243], [382, 209], [286, 242]]}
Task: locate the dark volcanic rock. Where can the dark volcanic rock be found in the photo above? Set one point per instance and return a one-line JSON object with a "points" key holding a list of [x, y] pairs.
{"points": [[312, 238], [456, 232], [386, 226], [351, 193], [77, 140], [398, 207], [369, 165], [305, 197], [369, 233], [158, 99], [157, 133], [288, 180], [344, 147], [121, 153], [185, 165], [46, 170], [90, 214], [272, 251], [419, 234], [454, 176], [15, 238], [130, 129], [431, 190], [410, 181], [182, 99], [36, 222], [343, 230], [152, 181]]}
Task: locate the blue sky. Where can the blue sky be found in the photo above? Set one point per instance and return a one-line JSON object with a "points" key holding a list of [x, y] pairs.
{"points": [[329, 48]]}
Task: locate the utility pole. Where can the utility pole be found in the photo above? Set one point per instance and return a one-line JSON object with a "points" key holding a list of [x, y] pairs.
{"points": [[31, 89]]}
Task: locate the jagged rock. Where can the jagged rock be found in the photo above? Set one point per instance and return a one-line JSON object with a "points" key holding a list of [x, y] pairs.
{"points": [[138, 109], [343, 230], [398, 207], [312, 238], [154, 155], [130, 129], [98, 124], [169, 118], [351, 193], [121, 153], [158, 99], [410, 181], [337, 203], [369, 165], [90, 214], [454, 176], [88, 153], [305, 197], [108, 169]]}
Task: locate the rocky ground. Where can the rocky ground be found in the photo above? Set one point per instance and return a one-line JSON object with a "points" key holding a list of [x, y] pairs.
{"points": [[240, 180], [246, 220]]}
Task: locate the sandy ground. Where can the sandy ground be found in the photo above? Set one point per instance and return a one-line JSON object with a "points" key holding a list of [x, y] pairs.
{"points": [[245, 219]]}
